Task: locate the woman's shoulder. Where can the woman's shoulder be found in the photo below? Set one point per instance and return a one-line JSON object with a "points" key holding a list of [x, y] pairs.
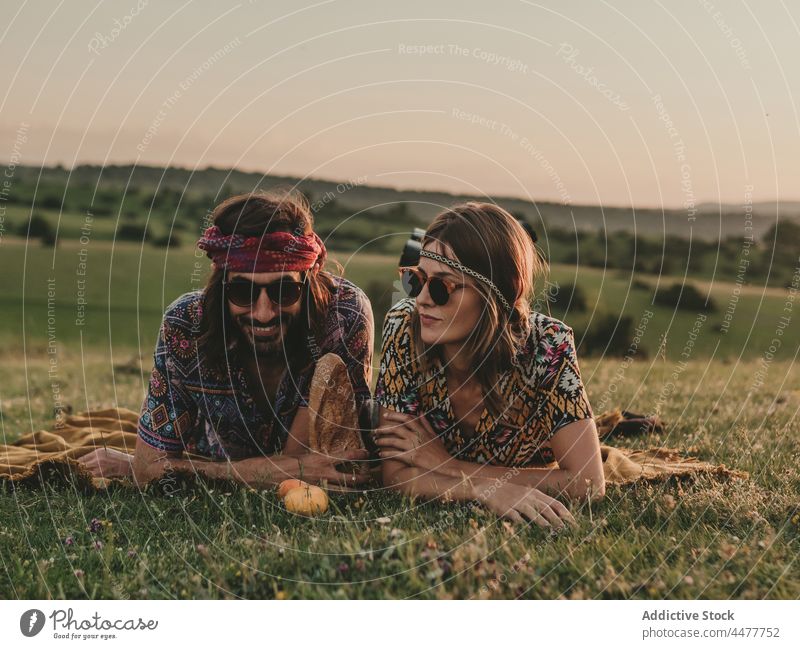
{"points": [[396, 333], [547, 335], [543, 322], [399, 315]]}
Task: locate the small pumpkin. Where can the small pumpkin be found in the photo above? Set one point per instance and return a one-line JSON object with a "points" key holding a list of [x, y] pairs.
{"points": [[287, 485], [307, 500]]}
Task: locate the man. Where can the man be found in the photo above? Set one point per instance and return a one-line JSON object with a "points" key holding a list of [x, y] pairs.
{"points": [[234, 362]]}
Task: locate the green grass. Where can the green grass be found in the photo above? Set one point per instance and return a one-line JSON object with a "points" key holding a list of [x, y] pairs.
{"points": [[735, 540], [702, 539]]}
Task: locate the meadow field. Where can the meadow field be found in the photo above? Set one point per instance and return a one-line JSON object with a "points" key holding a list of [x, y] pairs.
{"points": [[93, 310], [700, 539]]}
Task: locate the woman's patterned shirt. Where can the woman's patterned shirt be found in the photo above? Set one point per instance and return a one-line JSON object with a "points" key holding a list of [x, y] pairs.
{"points": [[541, 393], [190, 406]]}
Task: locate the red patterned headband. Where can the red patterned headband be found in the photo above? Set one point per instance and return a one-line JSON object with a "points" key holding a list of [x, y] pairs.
{"points": [[276, 251]]}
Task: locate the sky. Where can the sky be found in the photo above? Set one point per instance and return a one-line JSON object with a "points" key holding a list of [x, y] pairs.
{"points": [[616, 103]]}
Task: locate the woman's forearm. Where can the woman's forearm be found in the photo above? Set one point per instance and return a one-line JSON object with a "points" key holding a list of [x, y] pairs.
{"points": [[413, 481], [555, 482]]}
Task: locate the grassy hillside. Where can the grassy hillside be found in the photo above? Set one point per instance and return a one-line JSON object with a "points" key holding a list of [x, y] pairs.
{"points": [[701, 540], [178, 191]]}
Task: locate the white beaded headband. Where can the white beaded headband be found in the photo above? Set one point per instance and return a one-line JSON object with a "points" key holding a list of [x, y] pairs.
{"points": [[468, 271]]}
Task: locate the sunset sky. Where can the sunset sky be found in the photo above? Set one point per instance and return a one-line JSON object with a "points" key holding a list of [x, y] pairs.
{"points": [[619, 103]]}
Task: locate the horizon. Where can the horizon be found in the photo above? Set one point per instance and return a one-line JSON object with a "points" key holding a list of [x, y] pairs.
{"points": [[700, 205]]}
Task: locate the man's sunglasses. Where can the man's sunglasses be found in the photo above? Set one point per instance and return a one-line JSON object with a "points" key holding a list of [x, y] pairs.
{"points": [[282, 292], [414, 278]]}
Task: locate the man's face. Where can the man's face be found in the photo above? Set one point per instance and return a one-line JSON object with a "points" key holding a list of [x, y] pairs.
{"points": [[264, 326]]}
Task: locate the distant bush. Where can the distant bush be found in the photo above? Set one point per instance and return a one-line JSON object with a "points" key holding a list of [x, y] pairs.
{"points": [[36, 226], [569, 256], [48, 239], [50, 202], [684, 296], [101, 209], [608, 335], [569, 296], [167, 241], [133, 232]]}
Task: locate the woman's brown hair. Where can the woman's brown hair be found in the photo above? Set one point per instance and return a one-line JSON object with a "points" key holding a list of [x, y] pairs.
{"points": [[489, 240], [256, 214]]}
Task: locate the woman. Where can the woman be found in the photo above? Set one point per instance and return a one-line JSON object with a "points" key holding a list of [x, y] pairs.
{"points": [[480, 396]]}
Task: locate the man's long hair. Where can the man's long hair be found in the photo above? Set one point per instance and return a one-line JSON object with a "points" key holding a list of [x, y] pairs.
{"points": [[257, 214]]}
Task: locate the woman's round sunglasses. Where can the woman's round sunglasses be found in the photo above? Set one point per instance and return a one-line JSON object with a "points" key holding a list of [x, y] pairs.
{"points": [[282, 292], [414, 278]]}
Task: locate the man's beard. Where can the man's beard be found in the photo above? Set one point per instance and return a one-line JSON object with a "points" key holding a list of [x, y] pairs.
{"points": [[273, 345]]}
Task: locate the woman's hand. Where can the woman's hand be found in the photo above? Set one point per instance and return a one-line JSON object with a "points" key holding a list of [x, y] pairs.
{"points": [[108, 463], [516, 503], [410, 440]]}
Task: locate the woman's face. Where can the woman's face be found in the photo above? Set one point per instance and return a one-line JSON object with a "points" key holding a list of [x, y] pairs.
{"points": [[454, 321]]}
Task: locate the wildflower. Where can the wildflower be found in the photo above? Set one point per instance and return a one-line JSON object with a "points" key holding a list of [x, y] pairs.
{"points": [[97, 545], [69, 541], [78, 573], [95, 526], [343, 568]]}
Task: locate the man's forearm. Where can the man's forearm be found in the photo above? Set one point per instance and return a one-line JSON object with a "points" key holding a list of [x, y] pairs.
{"points": [[255, 472]]}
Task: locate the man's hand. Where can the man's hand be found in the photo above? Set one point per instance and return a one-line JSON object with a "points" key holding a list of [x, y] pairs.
{"points": [[410, 440], [315, 467], [108, 463]]}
